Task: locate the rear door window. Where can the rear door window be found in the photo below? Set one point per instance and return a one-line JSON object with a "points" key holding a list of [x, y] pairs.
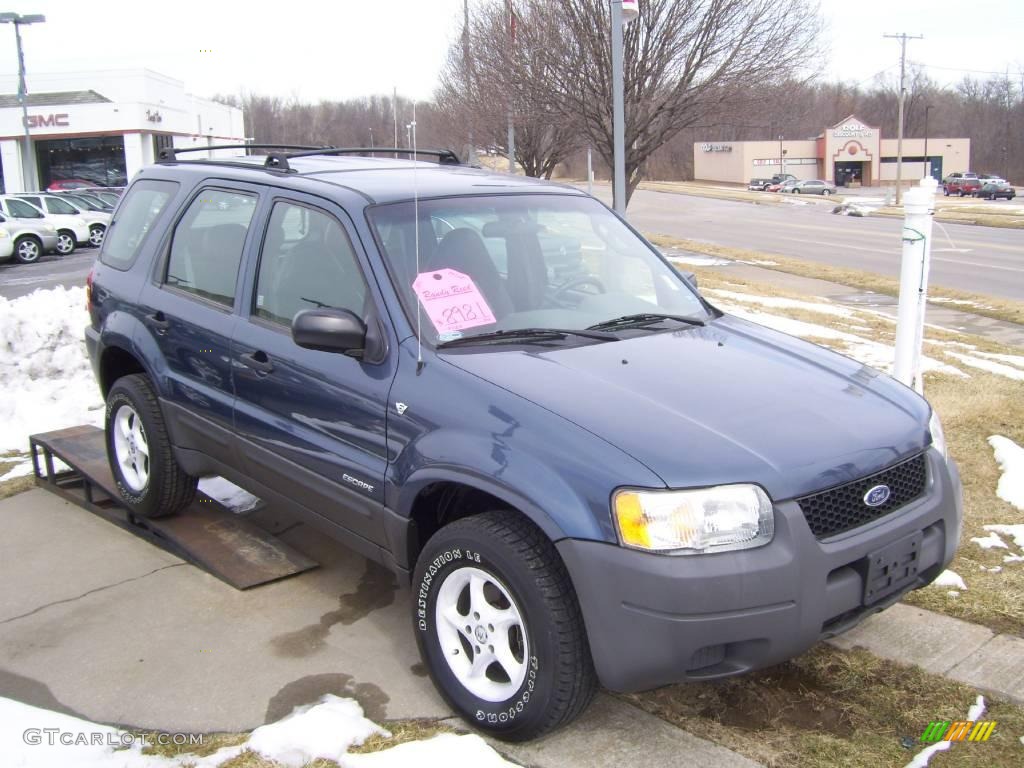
{"points": [[207, 245], [145, 201]]}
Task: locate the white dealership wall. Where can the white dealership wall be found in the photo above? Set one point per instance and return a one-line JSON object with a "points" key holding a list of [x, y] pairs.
{"points": [[142, 104]]}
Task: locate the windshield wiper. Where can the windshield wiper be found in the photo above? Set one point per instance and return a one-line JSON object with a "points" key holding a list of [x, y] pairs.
{"points": [[527, 334], [642, 319]]}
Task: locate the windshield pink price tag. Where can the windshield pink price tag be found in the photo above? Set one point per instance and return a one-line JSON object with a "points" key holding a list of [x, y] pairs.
{"points": [[451, 300]]}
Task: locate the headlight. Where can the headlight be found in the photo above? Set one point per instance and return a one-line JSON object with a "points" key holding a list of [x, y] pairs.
{"points": [[938, 436], [718, 519]]}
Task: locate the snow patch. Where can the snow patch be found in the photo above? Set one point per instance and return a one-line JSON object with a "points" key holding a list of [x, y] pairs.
{"points": [[325, 729], [777, 302], [1010, 458], [950, 579], [698, 261], [990, 541], [989, 365]]}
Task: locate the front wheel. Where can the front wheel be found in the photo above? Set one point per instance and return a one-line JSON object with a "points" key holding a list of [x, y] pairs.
{"points": [[826, 192], [147, 475], [499, 627], [27, 249], [96, 234], [65, 242]]}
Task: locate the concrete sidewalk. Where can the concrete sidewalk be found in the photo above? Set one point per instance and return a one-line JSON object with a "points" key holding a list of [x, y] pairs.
{"points": [[97, 623], [942, 645]]}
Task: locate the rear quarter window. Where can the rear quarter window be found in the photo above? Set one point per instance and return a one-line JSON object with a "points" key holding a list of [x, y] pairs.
{"points": [[142, 206]]}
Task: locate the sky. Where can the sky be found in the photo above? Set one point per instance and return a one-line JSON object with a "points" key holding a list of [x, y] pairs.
{"points": [[347, 48]]}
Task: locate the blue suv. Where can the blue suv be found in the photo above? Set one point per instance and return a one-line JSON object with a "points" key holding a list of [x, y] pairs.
{"points": [[586, 474]]}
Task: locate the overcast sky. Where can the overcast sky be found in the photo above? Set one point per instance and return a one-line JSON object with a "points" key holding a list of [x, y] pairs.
{"points": [[346, 48]]}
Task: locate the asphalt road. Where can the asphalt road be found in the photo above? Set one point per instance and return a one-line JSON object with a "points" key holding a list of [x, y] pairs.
{"points": [[984, 260], [50, 271]]}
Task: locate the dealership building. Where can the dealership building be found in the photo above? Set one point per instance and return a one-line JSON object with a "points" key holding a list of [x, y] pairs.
{"points": [[101, 127], [850, 153]]}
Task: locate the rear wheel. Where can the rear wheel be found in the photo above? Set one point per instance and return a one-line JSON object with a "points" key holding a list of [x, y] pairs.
{"points": [[148, 477], [499, 627], [27, 249], [96, 233], [65, 242], [826, 192]]}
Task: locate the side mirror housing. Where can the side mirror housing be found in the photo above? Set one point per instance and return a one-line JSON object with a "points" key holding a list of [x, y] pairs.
{"points": [[330, 330]]}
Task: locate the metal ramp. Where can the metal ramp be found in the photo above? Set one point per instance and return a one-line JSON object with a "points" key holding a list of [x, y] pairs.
{"points": [[230, 546]]}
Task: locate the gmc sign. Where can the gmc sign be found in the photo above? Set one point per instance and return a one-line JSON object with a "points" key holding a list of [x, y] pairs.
{"points": [[46, 121]]}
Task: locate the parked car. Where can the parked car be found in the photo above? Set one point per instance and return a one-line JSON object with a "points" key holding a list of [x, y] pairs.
{"points": [[759, 185], [6, 244], [814, 187], [61, 184], [60, 208], [783, 186], [987, 177], [71, 230], [95, 200], [779, 178], [83, 201], [599, 479], [30, 238], [992, 189], [962, 185]]}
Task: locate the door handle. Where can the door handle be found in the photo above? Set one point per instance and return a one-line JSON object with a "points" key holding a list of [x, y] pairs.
{"points": [[159, 321], [258, 361]]}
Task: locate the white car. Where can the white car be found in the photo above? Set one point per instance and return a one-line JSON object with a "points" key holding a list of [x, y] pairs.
{"points": [[71, 230], [58, 207], [6, 244]]}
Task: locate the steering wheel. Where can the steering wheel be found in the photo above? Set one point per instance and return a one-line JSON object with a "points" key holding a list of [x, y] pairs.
{"points": [[575, 282]]}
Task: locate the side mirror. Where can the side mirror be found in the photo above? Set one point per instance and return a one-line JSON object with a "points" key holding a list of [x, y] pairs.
{"points": [[330, 330]]}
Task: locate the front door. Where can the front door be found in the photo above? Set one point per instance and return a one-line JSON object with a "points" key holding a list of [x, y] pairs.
{"points": [[312, 422]]}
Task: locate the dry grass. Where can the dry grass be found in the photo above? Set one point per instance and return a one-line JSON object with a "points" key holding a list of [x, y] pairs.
{"points": [[989, 306], [831, 707], [976, 215]]}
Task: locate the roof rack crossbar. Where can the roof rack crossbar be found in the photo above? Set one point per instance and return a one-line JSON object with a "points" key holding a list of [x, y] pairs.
{"points": [[444, 156], [275, 160]]}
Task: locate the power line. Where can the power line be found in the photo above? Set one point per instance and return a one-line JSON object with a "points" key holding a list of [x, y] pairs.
{"points": [[962, 69]]}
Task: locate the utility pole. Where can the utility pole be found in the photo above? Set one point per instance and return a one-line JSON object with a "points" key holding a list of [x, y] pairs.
{"points": [[467, 73], [782, 159], [511, 125], [927, 163], [30, 179], [618, 113], [902, 37]]}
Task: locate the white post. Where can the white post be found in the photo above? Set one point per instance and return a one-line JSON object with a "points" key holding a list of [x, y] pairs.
{"points": [[918, 207], [590, 173]]}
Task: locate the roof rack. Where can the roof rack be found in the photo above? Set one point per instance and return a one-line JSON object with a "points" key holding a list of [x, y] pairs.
{"points": [[278, 161]]}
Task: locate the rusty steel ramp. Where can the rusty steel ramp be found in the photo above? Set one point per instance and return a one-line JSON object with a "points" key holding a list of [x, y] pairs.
{"points": [[230, 546]]}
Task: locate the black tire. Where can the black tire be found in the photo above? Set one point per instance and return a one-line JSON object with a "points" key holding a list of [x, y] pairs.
{"points": [[168, 488], [27, 249], [945, 191], [96, 234], [66, 242], [560, 679], [826, 192]]}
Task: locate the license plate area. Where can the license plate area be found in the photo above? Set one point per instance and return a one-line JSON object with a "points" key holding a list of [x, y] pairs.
{"points": [[892, 568]]}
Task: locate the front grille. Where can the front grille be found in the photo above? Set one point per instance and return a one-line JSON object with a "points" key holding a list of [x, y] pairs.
{"points": [[842, 508]]}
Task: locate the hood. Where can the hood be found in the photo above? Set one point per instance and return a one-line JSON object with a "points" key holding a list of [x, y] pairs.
{"points": [[730, 402]]}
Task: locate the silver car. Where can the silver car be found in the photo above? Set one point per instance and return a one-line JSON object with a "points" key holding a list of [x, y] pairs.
{"points": [[29, 239], [63, 209], [814, 187]]}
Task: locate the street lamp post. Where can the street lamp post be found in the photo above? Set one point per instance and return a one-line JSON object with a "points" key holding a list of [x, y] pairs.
{"points": [[622, 12], [782, 159], [28, 165], [927, 160]]}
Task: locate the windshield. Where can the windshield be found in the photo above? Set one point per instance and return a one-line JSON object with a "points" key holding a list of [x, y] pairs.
{"points": [[523, 261]]}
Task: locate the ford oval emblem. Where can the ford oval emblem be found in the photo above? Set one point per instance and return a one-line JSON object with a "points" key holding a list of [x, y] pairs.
{"points": [[877, 496]]}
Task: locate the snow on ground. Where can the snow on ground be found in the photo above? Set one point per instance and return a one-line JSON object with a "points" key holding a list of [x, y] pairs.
{"points": [[696, 260], [950, 579], [974, 713], [326, 729], [777, 302], [990, 541], [1010, 458], [988, 365], [44, 371]]}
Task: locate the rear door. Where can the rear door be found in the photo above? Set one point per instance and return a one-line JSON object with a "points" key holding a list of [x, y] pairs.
{"points": [[188, 313], [312, 423]]}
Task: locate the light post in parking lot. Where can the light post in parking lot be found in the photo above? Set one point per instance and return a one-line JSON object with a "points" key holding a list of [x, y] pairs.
{"points": [[927, 161], [28, 163], [622, 12]]}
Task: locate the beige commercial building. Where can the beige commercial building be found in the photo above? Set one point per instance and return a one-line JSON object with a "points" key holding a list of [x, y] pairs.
{"points": [[850, 153]]}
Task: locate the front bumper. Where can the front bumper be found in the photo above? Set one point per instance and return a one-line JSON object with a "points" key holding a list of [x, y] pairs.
{"points": [[659, 619]]}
